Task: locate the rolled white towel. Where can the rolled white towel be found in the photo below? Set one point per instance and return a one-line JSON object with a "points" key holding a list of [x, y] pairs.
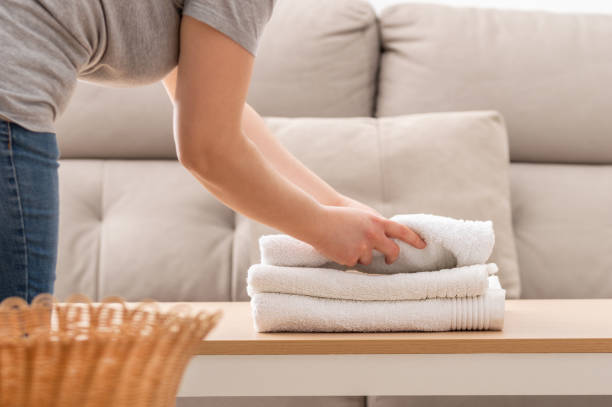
{"points": [[450, 243], [274, 312], [467, 281]]}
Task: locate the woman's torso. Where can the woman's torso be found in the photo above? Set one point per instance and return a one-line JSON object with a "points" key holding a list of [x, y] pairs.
{"points": [[48, 44]]}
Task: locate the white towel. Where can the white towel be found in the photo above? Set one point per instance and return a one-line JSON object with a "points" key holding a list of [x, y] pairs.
{"points": [[450, 243], [467, 281], [297, 313]]}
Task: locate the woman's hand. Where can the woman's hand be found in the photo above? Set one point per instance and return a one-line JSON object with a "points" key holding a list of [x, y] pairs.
{"points": [[348, 236]]}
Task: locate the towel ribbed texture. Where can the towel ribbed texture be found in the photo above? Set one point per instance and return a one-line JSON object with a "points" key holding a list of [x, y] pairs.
{"points": [[275, 312]]}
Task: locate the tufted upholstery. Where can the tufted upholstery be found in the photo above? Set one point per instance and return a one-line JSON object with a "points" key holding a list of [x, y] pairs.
{"points": [[141, 229]]}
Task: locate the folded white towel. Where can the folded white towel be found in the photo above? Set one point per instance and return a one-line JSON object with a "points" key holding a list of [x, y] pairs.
{"points": [[274, 312], [467, 281], [450, 243]]}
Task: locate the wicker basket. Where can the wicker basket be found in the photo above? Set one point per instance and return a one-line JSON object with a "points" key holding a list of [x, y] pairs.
{"points": [[106, 354]]}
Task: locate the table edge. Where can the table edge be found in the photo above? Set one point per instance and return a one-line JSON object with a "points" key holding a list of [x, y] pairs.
{"points": [[411, 346]]}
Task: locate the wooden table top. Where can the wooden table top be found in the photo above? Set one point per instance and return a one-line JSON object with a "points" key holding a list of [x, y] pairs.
{"points": [[530, 326]]}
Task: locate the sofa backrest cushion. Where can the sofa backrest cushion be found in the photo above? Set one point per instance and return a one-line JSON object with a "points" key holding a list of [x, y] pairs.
{"points": [[562, 218], [453, 164], [548, 74], [317, 58], [104, 122]]}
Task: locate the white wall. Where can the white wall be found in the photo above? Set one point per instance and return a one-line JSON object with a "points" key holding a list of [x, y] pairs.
{"points": [[588, 6]]}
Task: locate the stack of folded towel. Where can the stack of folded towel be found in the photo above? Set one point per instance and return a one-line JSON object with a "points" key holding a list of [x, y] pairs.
{"points": [[445, 287]]}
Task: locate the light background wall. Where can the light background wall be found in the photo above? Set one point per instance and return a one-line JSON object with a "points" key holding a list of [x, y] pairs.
{"points": [[587, 6]]}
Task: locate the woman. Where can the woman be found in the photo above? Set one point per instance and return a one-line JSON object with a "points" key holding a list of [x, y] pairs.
{"points": [[47, 44]]}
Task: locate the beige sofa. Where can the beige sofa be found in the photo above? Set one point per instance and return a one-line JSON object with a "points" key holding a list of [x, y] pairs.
{"points": [[135, 224]]}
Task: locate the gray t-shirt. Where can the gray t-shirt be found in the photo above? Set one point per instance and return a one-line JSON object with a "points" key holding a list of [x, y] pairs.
{"points": [[45, 45]]}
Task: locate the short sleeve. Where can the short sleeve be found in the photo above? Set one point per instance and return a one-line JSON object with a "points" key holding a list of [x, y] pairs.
{"points": [[241, 20]]}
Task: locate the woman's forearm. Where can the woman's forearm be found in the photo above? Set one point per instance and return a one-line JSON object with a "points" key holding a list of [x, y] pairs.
{"points": [[284, 162], [236, 172]]}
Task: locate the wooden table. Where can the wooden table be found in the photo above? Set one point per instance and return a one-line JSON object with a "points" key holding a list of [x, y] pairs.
{"points": [[547, 347]]}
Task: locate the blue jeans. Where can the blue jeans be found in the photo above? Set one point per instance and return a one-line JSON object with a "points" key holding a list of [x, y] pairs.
{"points": [[29, 211]]}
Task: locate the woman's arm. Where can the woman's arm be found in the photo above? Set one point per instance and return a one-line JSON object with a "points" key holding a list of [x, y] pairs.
{"points": [[255, 128], [212, 79], [282, 160], [209, 98]]}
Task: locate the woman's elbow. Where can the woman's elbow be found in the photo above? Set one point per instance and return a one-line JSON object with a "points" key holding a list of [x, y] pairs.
{"points": [[194, 157], [186, 159], [205, 152]]}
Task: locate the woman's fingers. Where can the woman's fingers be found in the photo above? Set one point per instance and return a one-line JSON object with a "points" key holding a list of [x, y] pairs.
{"points": [[397, 231], [366, 257], [389, 248]]}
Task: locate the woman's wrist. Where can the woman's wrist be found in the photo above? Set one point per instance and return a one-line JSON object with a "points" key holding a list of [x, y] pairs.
{"points": [[339, 200], [313, 224]]}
